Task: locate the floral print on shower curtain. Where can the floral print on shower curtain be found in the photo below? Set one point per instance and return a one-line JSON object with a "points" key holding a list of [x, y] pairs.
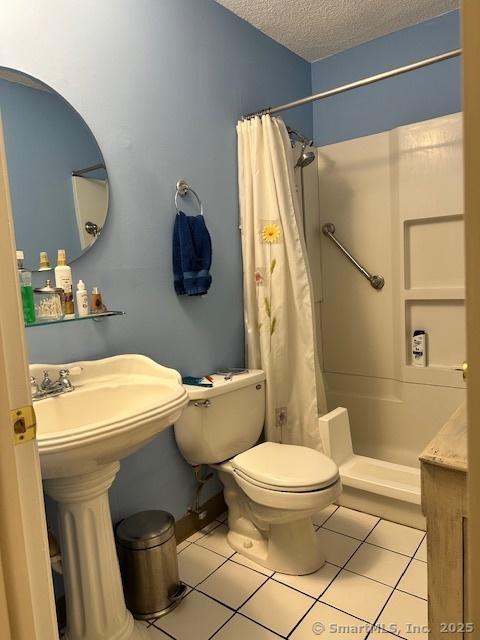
{"points": [[279, 314]]}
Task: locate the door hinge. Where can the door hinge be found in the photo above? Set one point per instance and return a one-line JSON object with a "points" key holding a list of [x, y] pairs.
{"points": [[24, 424]]}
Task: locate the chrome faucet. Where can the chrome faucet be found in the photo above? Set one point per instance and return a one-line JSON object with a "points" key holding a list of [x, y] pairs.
{"points": [[49, 388]]}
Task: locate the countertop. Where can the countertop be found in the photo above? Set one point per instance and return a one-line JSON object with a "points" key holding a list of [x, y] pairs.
{"points": [[449, 447]]}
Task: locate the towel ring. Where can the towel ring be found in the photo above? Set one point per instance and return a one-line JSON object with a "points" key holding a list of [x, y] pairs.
{"points": [[182, 188]]}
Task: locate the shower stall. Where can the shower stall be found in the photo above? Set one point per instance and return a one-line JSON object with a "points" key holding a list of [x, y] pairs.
{"points": [[392, 201], [395, 200]]}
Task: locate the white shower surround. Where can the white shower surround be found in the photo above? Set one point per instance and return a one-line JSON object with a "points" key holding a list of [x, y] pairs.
{"points": [[396, 199]]}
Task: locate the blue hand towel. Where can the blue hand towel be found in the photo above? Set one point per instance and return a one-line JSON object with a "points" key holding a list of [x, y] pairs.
{"points": [[192, 255]]}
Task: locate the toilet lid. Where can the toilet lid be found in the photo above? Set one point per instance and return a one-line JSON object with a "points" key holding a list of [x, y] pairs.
{"points": [[286, 467]]}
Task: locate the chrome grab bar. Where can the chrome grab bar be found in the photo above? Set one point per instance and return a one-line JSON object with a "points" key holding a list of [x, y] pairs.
{"points": [[376, 280]]}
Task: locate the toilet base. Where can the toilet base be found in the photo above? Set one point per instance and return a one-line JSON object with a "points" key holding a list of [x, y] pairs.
{"points": [[290, 548], [278, 538]]}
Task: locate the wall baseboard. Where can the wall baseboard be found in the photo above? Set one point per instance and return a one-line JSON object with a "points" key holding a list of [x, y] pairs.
{"points": [[184, 527]]}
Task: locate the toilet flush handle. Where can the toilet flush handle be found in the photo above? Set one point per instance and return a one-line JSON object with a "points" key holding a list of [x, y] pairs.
{"points": [[203, 404]]}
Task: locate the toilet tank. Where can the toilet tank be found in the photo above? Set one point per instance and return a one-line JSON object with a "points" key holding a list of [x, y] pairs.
{"points": [[222, 420]]}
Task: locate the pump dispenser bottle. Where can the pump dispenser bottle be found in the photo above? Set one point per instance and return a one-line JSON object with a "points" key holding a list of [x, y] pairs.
{"points": [[63, 280], [82, 299], [26, 290]]}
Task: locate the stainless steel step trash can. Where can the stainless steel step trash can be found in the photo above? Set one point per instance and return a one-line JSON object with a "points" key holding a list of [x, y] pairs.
{"points": [[147, 553]]}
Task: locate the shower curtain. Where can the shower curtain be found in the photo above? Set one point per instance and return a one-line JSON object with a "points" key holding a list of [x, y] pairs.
{"points": [[279, 313]]}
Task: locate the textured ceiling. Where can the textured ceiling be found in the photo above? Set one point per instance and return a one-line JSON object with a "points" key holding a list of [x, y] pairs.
{"points": [[317, 28]]}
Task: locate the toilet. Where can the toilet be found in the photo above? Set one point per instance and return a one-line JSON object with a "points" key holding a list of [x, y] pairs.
{"points": [[271, 489]]}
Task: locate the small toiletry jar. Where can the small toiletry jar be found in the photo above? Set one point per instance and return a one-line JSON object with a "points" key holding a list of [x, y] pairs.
{"points": [[49, 302]]}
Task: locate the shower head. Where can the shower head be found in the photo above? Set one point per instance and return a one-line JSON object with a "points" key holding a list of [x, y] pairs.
{"points": [[306, 158]]}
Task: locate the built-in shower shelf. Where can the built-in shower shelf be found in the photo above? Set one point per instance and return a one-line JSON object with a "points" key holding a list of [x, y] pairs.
{"points": [[440, 293], [456, 368], [91, 316], [434, 374]]}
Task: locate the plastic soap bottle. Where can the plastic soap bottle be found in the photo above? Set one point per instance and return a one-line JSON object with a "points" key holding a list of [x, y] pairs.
{"points": [[419, 348], [82, 299], [63, 280], [26, 290], [97, 303]]}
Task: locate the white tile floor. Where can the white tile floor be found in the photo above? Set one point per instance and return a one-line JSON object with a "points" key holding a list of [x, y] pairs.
{"points": [[375, 579]]}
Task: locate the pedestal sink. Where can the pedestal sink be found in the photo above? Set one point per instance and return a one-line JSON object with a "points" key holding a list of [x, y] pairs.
{"points": [[118, 405]]}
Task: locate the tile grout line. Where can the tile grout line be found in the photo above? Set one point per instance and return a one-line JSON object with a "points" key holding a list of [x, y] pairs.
{"points": [[395, 587], [236, 611], [218, 524], [317, 600], [377, 546], [411, 594], [225, 560], [251, 568], [369, 578], [301, 619], [373, 624], [342, 568], [373, 528], [361, 540], [315, 603], [194, 589], [352, 537], [337, 507], [260, 624], [271, 578], [304, 592], [351, 615], [158, 629], [372, 544], [221, 626], [346, 534], [267, 578], [226, 605]]}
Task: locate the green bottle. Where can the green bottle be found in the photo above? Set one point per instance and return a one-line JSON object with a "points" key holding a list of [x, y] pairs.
{"points": [[26, 290]]}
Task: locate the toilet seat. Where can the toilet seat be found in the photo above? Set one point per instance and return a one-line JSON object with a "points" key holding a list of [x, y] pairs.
{"points": [[291, 501], [285, 468], [269, 487]]}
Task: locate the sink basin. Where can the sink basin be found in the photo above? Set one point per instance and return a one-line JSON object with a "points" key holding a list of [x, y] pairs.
{"points": [[118, 405]]}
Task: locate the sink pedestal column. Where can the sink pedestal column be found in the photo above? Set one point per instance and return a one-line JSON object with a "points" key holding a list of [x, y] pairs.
{"points": [[93, 588]]}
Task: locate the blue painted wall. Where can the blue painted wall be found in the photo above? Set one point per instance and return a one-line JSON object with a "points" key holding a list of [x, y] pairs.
{"points": [[45, 141], [161, 83], [415, 96]]}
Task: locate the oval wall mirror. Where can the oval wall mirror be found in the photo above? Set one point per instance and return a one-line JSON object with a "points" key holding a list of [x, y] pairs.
{"points": [[58, 179]]}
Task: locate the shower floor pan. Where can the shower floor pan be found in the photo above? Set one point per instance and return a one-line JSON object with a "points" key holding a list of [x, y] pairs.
{"points": [[385, 478], [385, 489]]}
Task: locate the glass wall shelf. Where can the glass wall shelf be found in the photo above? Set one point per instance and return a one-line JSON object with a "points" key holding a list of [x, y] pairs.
{"points": [[91, 316]]}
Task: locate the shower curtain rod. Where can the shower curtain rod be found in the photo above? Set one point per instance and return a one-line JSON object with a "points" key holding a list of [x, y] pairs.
{"points": [[359, 83]]}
